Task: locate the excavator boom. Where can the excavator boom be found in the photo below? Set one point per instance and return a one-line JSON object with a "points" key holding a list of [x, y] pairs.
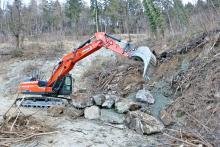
{"points": [[87, 48]]}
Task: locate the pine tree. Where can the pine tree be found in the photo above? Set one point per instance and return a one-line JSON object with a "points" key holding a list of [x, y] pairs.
{"points": [[155, 17], [189, 8], [57, 15], [1, 14], [72, 10], [166, 6], [213, 3], [135, 13], [15, 22], [33, 12], [113, 11], [201, 5], [180, 12], [95, 12], [47, 9]]}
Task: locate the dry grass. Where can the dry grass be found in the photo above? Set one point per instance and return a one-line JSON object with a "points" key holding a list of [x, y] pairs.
{"points": [[41, 47]]}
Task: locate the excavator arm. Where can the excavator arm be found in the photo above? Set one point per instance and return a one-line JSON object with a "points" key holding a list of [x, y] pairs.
{"points": [[87, 48]]}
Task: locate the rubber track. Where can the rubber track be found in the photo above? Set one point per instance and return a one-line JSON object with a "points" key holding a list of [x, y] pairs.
{"points": [[40, 102]]}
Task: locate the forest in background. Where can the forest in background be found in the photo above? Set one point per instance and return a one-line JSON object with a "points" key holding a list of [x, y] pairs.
{"points": [[155, 18]]}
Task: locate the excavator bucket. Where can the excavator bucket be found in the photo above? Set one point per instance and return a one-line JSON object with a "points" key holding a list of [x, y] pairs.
{"points": [[145, 55]]}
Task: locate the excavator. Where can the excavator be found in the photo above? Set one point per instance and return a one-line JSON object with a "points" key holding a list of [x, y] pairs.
{"points": [[40, 93]]}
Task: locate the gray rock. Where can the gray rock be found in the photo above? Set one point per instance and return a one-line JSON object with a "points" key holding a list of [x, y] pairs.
{"points": [[143, 123], [124, 105], [73, 112], [109, 115], [217, 94], [166, 118], [92, 112], [99, 99], [82, 103], [145, 96], [110, 101]]}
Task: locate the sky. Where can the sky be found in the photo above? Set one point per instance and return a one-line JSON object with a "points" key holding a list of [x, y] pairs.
{"points": [[4, 2]]}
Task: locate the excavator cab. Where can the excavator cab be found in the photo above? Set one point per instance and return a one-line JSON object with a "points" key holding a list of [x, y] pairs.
{"points": [[63, 86]]}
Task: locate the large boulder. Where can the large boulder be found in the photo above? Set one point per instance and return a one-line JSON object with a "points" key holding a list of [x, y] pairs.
{"points": [[125, 105], [99, 99], [109, 115], [143, 123], [145, 96], [92, 112], [110, 101]]}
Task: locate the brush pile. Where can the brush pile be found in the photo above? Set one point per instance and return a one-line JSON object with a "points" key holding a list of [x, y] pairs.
{"points": [[119, 77], [21, 128]]}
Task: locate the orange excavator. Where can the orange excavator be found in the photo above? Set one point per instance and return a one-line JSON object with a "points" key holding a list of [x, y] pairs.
{"points": [[52, 92]]}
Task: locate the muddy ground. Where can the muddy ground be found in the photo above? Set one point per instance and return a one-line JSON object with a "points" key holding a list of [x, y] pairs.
{"points": [[185, 85]]}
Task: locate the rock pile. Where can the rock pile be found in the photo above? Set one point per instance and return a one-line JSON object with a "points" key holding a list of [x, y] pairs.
{"points": [[117, 110]]}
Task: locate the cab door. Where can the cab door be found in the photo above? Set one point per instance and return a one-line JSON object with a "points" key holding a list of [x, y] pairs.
{"points": [[67, 86]]}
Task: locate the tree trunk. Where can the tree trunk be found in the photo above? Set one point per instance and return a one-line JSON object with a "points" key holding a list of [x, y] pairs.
{"points": [[170, 24], [127, 22], [17, 41], [97, 17]]}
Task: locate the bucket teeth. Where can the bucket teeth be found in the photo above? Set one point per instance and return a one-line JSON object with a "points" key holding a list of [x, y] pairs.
{"points": [[145, 55]]}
